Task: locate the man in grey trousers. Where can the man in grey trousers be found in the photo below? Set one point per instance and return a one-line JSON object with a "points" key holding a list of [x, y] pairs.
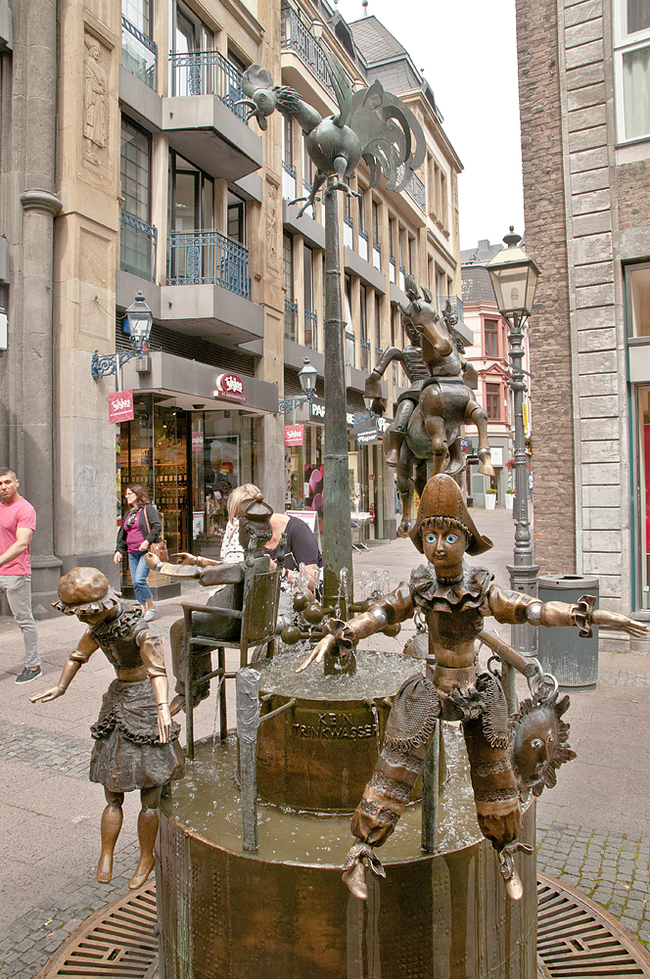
{"points": [[17, 525]]}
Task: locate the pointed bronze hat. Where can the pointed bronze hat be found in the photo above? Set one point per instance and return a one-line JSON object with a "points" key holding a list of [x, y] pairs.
{"points": [[443, 498]]}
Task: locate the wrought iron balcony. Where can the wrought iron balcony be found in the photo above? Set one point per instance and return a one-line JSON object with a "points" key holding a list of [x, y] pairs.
{"points": [[138, 246], [297, 37], [207, 73], [417, 191], [139, 54], [456, 305], [208, 258]]}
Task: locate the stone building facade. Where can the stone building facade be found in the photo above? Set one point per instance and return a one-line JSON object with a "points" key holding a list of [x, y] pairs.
{"points": [[127, 164], [584, 82]]}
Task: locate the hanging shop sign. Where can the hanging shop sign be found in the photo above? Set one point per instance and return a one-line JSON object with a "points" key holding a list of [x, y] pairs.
{"points": [[294, 434], [120, 406], [365, 438], [231, 387]]}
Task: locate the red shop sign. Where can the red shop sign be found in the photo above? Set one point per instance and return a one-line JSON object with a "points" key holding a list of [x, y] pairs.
{"points": [[230, 386], [120, 406], [294, 434]]}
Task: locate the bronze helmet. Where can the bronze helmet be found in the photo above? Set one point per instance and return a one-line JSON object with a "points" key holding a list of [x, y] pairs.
{"points": [[442, 498], [85, 590]]}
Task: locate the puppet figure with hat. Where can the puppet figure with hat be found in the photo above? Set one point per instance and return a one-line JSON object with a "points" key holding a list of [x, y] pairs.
{"points": [[135, 741], [454, 598]]}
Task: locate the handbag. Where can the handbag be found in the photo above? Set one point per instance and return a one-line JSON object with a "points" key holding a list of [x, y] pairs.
{"points": [[158, 547]]}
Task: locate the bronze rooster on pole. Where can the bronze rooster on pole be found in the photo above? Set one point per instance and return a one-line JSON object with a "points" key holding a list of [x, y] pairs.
{"points": [[374, 126]]}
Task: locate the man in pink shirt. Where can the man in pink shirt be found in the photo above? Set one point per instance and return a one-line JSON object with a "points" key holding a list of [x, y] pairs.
{"points": [[17, 524]]}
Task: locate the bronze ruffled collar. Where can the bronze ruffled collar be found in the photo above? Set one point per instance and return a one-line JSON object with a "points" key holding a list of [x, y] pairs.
{"points": [[121, 626], [467, 591]]}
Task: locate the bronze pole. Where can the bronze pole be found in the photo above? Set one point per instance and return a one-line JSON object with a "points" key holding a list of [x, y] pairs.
{"points": [[337, 537]]}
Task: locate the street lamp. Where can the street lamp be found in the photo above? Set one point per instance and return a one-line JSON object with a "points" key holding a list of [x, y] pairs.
{"points": [[138, 320], [514, 279], [307, 377]]}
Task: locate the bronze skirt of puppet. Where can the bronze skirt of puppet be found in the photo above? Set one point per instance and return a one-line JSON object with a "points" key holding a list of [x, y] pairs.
{"points": [[127, 753]]}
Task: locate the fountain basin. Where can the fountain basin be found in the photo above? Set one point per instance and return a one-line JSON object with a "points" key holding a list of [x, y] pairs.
{"points": [[284, 913], [318, 754]]}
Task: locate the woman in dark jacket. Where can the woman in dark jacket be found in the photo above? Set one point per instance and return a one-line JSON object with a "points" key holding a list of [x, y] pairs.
{"points": [[141, 526]]}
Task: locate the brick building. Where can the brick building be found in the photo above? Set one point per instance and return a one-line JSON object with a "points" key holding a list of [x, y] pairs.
{"points": [[584, 81]]}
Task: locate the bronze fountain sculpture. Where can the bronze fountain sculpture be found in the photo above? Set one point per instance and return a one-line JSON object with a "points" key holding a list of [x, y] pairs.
{"points": [[455, 598], [136, 742], [426, 427]]}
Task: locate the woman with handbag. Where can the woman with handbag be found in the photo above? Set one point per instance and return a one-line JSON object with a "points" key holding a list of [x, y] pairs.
{"points": [[140, 529]]}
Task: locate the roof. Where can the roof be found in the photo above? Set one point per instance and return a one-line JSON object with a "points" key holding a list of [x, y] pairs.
{"points": [[476, 285], [481, 254]]}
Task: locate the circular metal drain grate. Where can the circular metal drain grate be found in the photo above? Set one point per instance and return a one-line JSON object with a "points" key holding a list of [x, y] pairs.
{"points": [[576, 939]]}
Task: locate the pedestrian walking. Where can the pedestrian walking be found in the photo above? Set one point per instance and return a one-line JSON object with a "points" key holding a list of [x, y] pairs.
{"points": [[140, 528], [17, 525]]}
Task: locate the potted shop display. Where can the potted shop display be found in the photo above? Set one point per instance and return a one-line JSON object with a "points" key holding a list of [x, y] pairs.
{"points": [[490, 499]]}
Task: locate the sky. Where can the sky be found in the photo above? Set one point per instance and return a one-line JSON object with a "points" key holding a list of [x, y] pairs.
{"points": [[467, 50]]}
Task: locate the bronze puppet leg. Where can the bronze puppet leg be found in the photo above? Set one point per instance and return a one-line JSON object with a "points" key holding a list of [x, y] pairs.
{"points": [[411, 725], [110, 830], [147, 832]]}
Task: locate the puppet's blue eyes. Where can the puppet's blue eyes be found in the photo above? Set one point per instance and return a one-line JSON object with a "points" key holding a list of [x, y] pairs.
{"points": [[451, 538]]}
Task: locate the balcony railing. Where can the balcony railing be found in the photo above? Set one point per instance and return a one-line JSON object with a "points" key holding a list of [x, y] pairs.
{"points": [[311, 329], [363, 245], [208, 258], [416, 190], [295, 36], [290, 319], [139, 54], [138, 243], [456, 305], [349, 349], [207, 73]]}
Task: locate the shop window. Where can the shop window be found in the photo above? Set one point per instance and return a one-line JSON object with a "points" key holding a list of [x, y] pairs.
{"points": [[491, 338], [633, 68], [493, 401], [637, 281]]}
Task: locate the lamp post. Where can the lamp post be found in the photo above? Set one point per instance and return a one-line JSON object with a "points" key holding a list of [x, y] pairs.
{"points": [[307, 376], [138, 320], [514, 279]]}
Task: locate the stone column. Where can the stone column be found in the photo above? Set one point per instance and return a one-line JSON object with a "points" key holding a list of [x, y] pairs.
{"points": [[34, 206]]}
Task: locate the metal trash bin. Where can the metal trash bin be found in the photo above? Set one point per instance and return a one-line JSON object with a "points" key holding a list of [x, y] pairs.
{"points": [[572, 660]]}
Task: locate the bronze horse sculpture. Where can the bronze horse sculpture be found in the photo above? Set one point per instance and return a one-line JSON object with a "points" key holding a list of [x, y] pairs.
{"points": [[426, 428]]}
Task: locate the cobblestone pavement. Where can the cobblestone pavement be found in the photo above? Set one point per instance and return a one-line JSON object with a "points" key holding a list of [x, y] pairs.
{"points": [[593, 829]]}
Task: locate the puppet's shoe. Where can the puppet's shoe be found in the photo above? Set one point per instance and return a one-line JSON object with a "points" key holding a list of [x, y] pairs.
{"points": [[105, 868], [354, 877], [142, 871], [514, 887], [177, 704]]}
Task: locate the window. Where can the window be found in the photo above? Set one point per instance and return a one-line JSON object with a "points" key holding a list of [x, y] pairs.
{"points": [[637, 283], [137, 237], [375, 222], [377, 321], [363, 328], [633, 68], [493, 401], [192, 197], [288, 170], [308, 298], [391, 237], [491, 338], [236, 219], [290, 307]]}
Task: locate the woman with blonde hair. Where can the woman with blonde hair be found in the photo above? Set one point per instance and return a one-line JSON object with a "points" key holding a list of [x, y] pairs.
{"points": [[231, 549]]}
